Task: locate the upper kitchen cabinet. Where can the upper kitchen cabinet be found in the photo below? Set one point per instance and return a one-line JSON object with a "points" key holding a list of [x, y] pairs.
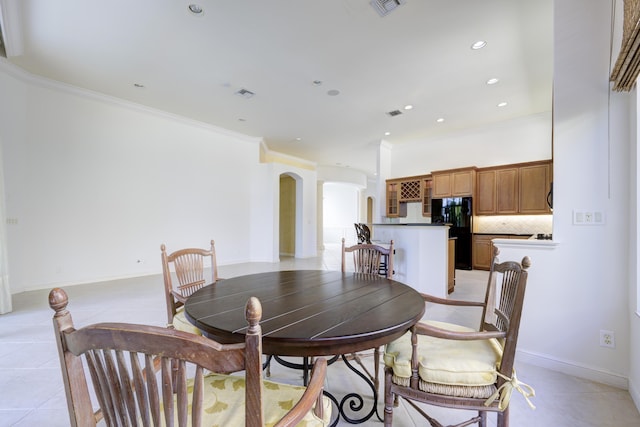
{"points": [[426, 195], [535, 183], [394, 207], [454, 183], [497, 191], [513, 189], [410, 190]]}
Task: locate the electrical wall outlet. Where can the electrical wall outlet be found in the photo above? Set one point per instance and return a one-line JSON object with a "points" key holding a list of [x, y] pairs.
{"points": [[607, 339]]}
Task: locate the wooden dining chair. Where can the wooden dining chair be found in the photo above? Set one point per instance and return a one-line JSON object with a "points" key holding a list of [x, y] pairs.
{"points": [[453, 366], [367, 259], [362, 233], [128, 368], [188, 267]]}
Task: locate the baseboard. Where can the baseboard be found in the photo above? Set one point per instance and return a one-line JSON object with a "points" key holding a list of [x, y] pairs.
{"points": [[576, 370], [635, 394]]}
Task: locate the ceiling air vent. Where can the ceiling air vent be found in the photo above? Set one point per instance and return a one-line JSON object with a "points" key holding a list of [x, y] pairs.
{"points": [[384, 7], [245, 93], [394, 113]]}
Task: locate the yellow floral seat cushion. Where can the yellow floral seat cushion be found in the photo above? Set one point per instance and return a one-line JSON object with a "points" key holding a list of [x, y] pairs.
{"points": [[224, 402], [470, 367], [181, 323]]}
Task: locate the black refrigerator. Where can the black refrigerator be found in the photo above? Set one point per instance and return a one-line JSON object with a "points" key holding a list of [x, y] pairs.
{"points": [[458, 212]]}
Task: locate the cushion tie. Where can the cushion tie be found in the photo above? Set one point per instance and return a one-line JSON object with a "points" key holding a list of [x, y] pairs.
{"points": [[508, 386]]}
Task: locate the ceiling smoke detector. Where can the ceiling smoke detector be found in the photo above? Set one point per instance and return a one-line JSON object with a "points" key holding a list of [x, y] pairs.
{"points": [[384, 7], [394, 113], [245, 93]]}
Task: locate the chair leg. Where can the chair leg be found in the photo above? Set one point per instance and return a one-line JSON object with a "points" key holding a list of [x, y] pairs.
{"points": [[376, 361], [483, 419], [388, 399], [503, 418]]}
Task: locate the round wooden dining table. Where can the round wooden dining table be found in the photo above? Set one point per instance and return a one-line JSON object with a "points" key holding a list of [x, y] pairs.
{"points": [[312, 313], [308, 312]]}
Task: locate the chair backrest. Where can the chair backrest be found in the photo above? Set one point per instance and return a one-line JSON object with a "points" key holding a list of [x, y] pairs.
{"points": [[131, 369], [363, 233], [503, 304], [369, 258], [188, 266]]}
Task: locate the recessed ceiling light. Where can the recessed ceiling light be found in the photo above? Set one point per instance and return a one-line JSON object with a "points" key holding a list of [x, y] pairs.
{"points": [[440, 120], [242, 120], [317, 82], [387, 133], [196, 9], [298, 139], [408, 107], [138, 85], [502, 104], [478, 45], [333, 92], [492, 81]]}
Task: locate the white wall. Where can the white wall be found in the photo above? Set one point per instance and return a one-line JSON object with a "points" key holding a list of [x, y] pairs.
{"points": [[519, 140], [97, 184], [341, 211]]}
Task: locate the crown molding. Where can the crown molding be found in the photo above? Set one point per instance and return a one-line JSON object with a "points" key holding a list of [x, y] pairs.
{"points": [[46, 83]]}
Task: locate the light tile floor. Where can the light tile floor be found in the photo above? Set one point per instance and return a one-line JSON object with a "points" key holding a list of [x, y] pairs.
{"points": [[31, 391]]}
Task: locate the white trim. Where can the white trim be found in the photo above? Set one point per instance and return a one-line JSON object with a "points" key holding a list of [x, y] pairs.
{"points": [[571, 368], [520, 243], [11, 23], [635, 394], [301, 161]]}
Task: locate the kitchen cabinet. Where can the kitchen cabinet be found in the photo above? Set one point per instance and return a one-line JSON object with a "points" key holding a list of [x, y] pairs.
{"points": [[410, 190], [401, 191], [394, 207], [426, 195], [451, 270], [507, 191], [497, 191], [483, 248], [513, 189], [485, 201], [535, 183], [454, 183]]}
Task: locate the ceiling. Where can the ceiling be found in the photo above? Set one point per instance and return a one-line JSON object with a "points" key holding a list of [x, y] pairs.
{"points": [[193, 65]]}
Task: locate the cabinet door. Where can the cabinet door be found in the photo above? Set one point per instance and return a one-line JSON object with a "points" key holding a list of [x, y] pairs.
{"points": [[485, 201], [441, 185], [393, 203], [462, 183], [507, 191], [534, 186], [426, 196], [482, 251], [451, 270]]}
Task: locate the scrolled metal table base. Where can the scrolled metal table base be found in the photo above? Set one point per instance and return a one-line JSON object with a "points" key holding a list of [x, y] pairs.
{"points": [[355, 401]]}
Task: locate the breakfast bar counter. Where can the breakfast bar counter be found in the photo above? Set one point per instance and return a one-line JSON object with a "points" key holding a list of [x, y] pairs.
{"points": [[421, 255]]}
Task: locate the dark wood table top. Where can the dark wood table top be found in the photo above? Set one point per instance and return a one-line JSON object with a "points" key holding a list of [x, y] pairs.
{"points": [[308, 312]]}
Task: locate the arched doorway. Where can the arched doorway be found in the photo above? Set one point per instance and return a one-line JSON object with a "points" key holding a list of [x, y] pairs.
{"points": [[287, 219]]}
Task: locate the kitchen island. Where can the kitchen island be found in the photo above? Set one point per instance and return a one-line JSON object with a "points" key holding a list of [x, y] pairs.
{"points": [[421, 256]]}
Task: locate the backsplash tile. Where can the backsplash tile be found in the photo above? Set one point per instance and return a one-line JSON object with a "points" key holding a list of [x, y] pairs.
{"points": [[513, 224]]}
